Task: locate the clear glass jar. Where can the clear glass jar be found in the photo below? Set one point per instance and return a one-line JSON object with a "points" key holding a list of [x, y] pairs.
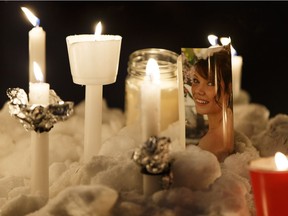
{"points": [[167, 62]]}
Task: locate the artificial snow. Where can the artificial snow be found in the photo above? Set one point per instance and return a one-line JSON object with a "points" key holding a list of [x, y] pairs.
{"points": [[110, 184]]}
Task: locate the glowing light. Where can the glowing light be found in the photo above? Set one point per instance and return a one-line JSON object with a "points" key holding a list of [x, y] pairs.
{"points": [[31, 17], [281, 161], [37, 72], [152, 70], [225, 40], [98, 29], [213, 39]]}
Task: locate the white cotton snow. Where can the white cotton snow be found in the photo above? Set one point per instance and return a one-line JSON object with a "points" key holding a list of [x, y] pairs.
{"points": [[195, 168], [274, 138], [110, 184]]}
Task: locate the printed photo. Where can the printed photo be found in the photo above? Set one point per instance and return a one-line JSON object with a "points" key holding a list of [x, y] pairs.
{"points": [[208, 99]]}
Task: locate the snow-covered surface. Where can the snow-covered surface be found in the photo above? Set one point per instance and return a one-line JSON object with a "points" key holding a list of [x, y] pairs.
{"points": [[111, 183]]}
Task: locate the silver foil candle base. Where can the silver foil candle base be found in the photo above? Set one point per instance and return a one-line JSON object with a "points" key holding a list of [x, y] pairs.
{"points": [[153, 156], [37, 117]]}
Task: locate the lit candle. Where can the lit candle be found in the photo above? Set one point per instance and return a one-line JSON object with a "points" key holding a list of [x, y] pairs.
{"points": [[39, 95], [167, 62], [38, 91], [213, 40], [150, 101], [94, 62], [37, 40], [236, 62], [269, 177]]}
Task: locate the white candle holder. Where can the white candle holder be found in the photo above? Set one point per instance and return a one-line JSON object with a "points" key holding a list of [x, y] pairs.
{"points": [[39, 120], [94, 62]]}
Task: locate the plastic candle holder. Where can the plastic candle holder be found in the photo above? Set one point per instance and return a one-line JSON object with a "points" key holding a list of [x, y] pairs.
{"points": [[269, 186], [94, 61]]}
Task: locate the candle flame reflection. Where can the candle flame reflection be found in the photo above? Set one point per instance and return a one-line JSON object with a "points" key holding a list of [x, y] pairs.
{"points": [[31, 17], [98, 29], [37, 72], [152, 70], [281, 161]]}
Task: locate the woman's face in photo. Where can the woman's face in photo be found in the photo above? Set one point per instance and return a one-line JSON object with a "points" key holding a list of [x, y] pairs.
{"points": [[204, 93]]}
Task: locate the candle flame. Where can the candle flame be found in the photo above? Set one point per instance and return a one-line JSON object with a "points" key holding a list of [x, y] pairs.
{"points": [[213, 39], [281, 161], [31, 17], [98, 29], [226, 41], [233, 51], [152, 70], [37, 72]]}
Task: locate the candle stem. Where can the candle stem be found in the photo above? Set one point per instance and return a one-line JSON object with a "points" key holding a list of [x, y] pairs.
{"points": [[40, 164], [151, 184], [93, 121]]}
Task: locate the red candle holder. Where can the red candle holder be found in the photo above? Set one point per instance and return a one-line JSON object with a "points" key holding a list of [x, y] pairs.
{"points": [[270, 188]]}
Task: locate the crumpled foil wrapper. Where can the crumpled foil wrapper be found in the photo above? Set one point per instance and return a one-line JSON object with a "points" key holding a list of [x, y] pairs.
{"points": [[153, 156], [37, 117]]}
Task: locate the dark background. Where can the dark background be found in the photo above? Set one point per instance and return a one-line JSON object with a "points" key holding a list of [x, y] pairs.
{"points": [[258, 31]]}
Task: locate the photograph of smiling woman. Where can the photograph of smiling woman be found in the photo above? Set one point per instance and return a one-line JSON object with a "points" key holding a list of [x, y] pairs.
{"points": [[207, 79]]}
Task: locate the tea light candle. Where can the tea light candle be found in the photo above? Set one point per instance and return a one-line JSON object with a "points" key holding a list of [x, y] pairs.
{"points": [[150, 95], [269, 177], [39, 95], [37, 49]]}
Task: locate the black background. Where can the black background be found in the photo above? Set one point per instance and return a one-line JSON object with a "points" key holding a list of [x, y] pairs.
{"points": [[258, 31]]}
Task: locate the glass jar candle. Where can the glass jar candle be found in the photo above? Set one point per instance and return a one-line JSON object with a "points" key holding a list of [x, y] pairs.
{"points": [[167, 62]]}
